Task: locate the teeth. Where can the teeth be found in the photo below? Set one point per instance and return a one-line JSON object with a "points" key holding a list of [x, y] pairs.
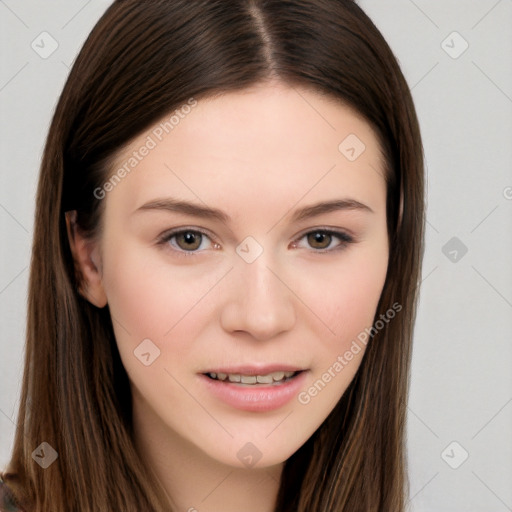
{"points": [[278, 375], [269, 378], [265, 379]]}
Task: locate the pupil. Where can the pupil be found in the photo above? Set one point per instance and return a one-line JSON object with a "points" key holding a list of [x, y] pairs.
{"points": [[191, 240], [317, 238]]}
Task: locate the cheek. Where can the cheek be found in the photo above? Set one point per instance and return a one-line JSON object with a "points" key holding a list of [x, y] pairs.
{"points": [[147, 296], [357, 302], [149, 300], [347, 305], [344, 294]]}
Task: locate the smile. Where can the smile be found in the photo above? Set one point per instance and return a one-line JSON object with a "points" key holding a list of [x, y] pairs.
{"points": [[278, 377], [254, 390]]}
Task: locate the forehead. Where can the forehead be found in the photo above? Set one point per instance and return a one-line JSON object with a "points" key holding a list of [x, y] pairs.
{"points": [[267, 143]]}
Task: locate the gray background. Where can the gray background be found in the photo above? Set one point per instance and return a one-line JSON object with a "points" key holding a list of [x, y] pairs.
{"points": [[461, 390]]}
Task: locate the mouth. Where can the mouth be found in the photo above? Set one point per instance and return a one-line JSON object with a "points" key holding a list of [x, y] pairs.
{"points": [[275, 378], [254, 388]]}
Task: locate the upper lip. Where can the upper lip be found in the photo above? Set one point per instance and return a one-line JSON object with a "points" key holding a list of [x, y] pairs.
{"points": [[255, 369]]}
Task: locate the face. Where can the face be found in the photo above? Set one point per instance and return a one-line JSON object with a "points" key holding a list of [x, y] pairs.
{"points": [[242, 254]]}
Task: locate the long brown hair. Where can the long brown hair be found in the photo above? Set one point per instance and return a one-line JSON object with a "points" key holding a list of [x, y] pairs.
{"points": [[142, 60]]}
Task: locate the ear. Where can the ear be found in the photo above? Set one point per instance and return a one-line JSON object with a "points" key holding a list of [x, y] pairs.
{"points": [[87, 258]]}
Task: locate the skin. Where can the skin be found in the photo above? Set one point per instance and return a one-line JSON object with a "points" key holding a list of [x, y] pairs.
{"points": [[258, 155]]}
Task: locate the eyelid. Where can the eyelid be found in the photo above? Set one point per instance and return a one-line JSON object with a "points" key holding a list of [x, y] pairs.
{"points": [[344, 236], [342, 233], [167, 235], [174, 231]]}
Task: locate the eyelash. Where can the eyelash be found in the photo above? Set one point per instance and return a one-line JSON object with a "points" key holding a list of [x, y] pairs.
{"points": [[344, 238]]}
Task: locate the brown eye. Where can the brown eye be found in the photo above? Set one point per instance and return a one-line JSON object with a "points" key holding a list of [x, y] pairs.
{"points": [[322, 240], [188, 240], [319, 239]]}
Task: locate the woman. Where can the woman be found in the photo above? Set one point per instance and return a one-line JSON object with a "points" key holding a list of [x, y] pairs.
{"points": [[228, 241]]}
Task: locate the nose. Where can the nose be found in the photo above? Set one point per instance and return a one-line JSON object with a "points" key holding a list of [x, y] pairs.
{"points": [[260, 303]]}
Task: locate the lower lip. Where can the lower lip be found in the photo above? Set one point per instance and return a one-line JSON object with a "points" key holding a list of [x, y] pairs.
{"points": [[256, 398]]}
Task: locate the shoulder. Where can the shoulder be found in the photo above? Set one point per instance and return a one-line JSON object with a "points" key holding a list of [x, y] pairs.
{"points": [[7, 501]]}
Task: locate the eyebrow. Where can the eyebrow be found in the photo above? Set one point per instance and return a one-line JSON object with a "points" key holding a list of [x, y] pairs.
{"points": [[197, 210]]}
